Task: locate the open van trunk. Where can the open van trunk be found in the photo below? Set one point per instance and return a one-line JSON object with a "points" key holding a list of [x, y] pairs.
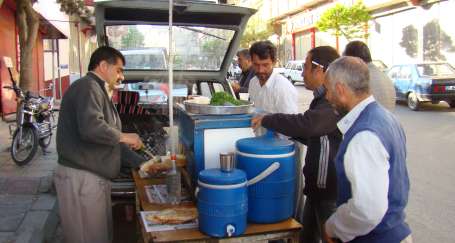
{"points": [[206, 37]]}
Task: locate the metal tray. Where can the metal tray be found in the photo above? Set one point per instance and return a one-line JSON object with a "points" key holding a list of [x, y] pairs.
{"points": [[217, 110]]}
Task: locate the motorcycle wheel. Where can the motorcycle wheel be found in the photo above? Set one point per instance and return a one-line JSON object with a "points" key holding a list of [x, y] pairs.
{"points": [[44, 142], [23, 151]]}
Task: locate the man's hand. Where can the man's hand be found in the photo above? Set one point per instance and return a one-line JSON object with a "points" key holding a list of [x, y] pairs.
{"points": [[235, 86], [256, 122], [132, 140], [326, 237]]}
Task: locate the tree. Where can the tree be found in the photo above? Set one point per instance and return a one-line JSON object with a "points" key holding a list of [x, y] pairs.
{"points": [[435, 40], [349, 22], [77, 8], [214, 49], [133, 38], [28, 23], [256, 31], [409, 40]]}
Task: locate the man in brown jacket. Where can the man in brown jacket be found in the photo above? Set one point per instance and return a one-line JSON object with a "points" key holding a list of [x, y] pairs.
{"points": [[89, 141]]}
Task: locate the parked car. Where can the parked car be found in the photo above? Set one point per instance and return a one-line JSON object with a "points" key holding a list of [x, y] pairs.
{"points": [[280, 70], [293, 71], [155, 92], [234, 71], [206, 37], [145, 58], [424, 82]]}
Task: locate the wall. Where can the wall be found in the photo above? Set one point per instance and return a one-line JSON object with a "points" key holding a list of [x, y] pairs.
{"points": [[7, 48], [434, 25], [79, 54]]}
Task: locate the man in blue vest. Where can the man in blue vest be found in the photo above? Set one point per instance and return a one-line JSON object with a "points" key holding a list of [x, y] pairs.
{"points": [[372, 177]]}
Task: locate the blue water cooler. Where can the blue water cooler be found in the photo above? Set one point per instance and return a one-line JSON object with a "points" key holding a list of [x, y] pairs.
{"points": [[222, 202], [270, 167]]}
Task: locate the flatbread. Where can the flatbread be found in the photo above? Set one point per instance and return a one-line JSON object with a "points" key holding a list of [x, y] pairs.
{"points": [[173, 216], [153, 167]]}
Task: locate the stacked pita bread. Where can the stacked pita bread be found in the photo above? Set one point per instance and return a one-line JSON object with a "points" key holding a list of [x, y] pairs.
{"points": [[173, 216]]}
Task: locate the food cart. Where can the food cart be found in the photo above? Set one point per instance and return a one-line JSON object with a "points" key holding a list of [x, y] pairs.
{"points": [[200, 46]]}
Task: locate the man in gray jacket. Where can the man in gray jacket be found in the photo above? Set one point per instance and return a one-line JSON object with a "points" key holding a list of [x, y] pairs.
{"points": [[89, 141], [381, 85]]}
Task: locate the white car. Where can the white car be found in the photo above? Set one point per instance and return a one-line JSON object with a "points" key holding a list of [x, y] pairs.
{"points": [[280, 70], [293, 71], [155, 92]]}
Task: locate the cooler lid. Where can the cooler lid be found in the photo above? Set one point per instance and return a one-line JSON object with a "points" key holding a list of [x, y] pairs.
{"points": [[218, 177], [267, 144]]}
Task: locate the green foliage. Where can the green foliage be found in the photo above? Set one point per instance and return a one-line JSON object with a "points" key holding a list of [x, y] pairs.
{"points": [[214, 47], [76, 7], [435, 41], [256, 31], [133, 38], [223, 98], [345, 21], [409, 40]]}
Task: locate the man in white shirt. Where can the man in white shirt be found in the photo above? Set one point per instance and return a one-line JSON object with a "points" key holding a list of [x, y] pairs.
{"points": [[372, 178], [269, 90]]}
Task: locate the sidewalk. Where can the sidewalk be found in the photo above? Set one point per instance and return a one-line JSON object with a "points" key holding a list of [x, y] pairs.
{"points": [[28, 208]]}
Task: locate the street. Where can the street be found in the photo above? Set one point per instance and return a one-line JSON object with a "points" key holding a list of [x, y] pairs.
{"points": [[430, 140]]}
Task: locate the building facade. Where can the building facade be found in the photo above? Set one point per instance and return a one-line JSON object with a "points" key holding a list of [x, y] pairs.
{"points": [[394, 27], [61, 54], [10, 48]]}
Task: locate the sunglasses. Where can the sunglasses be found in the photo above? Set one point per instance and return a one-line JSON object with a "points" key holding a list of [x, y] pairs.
{"points": [[317, 64]]}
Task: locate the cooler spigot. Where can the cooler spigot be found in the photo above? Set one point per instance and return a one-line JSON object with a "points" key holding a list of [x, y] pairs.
{"points": [[230, 230]]}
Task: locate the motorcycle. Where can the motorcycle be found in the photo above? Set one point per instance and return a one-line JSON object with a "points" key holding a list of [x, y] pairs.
{"points": [[34, 124]]}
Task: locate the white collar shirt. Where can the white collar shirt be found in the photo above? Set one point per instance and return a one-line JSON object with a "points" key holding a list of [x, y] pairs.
{"points": [[277, 95], [348, 120]]}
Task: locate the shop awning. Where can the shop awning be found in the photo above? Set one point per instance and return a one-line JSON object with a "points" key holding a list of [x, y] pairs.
{"points": [[48, 30]]}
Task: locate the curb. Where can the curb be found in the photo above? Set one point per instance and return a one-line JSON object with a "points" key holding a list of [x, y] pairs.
{"points": [[40, 222]]}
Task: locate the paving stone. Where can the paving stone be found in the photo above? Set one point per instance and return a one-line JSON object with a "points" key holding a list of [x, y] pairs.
{"points": [[11, 218], [6, 237], [29, 235], [13, 208], [38, 226], [17, 200], [45, 202], [24, 186]]}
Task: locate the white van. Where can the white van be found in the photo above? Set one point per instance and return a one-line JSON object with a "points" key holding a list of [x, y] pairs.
{"points": [[293, 71], [151, 58]]}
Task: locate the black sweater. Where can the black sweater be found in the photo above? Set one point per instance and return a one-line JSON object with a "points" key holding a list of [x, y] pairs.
{"points": [[316, 128]]}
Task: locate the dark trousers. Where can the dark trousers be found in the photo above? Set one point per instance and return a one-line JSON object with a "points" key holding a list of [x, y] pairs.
{"points": [[315, 213]]}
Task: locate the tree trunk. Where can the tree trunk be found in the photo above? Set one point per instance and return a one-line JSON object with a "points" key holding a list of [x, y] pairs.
{"points": [[337, 42], [28, 23]]}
